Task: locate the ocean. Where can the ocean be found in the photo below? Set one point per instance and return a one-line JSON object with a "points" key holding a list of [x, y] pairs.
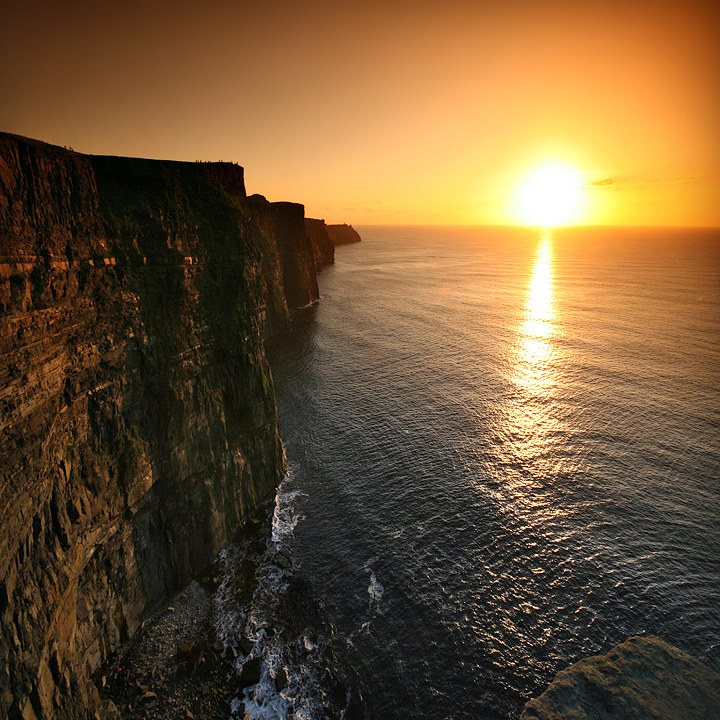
{"points": [[504, 456]]}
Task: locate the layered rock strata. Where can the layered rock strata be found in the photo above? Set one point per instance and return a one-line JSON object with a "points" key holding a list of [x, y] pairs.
{"points": [[138, 424], [644, 678]]}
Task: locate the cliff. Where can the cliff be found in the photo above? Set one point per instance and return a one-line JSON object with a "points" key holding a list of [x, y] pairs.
{"points": [[137, 410], [322, 245], [343, 234], [644, 678]]}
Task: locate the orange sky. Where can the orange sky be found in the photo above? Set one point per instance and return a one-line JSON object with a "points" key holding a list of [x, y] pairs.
{"points": [[387, 112]]}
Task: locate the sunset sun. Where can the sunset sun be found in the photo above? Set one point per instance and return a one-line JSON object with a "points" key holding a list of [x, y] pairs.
{"points": [[549, 195], [357, 359]]}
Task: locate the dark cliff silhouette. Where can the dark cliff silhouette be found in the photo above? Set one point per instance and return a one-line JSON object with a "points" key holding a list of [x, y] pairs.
{"points": [[138, 415]]}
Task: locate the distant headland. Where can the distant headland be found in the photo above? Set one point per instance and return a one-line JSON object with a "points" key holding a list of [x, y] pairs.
{"points": [[343, 234]]}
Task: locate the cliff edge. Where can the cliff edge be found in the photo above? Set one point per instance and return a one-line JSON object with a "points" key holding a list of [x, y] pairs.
{"points": [[343, 234], [644, 678], [323, 248], [138, 424]]}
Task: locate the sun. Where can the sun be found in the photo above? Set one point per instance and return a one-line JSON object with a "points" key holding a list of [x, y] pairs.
{"points": [[550, 195]]}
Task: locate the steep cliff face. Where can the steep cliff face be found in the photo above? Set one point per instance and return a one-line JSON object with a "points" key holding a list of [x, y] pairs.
{"points": [[283, 226], [322, 246], [343, 234], [137, 410], [643, 678]]}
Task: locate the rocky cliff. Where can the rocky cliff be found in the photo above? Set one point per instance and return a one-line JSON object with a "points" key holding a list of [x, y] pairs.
{"points": [[644, 678], [137, 414], [343, 234], [322, 245]]}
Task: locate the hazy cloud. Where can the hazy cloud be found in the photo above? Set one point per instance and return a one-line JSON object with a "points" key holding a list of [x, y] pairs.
{"points": [[637, 180]]}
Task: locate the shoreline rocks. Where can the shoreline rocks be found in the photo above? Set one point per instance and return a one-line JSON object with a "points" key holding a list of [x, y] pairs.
{"points": [[643, 678], [176, 666]]}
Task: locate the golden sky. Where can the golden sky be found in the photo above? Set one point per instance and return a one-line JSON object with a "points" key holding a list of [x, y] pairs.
{"points": [[387, 112]]}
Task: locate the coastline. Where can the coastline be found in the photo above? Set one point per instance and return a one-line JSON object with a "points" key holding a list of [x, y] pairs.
{"points": [[150, 677], [139, 415], [176, 665]]}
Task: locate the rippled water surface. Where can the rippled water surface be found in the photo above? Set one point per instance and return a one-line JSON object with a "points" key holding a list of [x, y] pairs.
{"points": [[505, 456]]}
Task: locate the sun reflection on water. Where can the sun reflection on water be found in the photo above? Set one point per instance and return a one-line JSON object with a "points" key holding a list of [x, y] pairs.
{"points": [[532, 426], [531, 413], [533, 362]]}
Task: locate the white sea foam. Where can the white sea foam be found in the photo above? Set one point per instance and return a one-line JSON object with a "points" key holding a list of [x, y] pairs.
{"points": [[375, 589], [285, 517], [229, 611], [260, 621], [266, 702]]}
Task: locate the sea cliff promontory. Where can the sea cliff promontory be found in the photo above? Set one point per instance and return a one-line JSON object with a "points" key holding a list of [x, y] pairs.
{"points": [[343, 234], [137, 412]]}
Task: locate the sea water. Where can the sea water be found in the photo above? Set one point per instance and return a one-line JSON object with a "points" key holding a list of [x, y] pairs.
{"points": [[504, 456]]}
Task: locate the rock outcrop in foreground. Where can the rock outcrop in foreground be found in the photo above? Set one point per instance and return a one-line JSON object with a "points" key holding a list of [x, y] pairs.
{"points": [[644, 678], [138, 423], [343, 234]]}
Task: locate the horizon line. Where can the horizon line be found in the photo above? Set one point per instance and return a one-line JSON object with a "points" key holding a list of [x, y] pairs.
{"points": [[535, 227]]}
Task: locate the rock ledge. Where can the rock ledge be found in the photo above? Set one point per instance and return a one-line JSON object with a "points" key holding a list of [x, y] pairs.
{"points": [[644, 678]]}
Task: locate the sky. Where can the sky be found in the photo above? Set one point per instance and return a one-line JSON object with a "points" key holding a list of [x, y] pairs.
{"points": [[387, 112]]}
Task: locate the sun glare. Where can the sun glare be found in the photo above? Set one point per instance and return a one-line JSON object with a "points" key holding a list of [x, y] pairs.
{"points": [[550, 195]]}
